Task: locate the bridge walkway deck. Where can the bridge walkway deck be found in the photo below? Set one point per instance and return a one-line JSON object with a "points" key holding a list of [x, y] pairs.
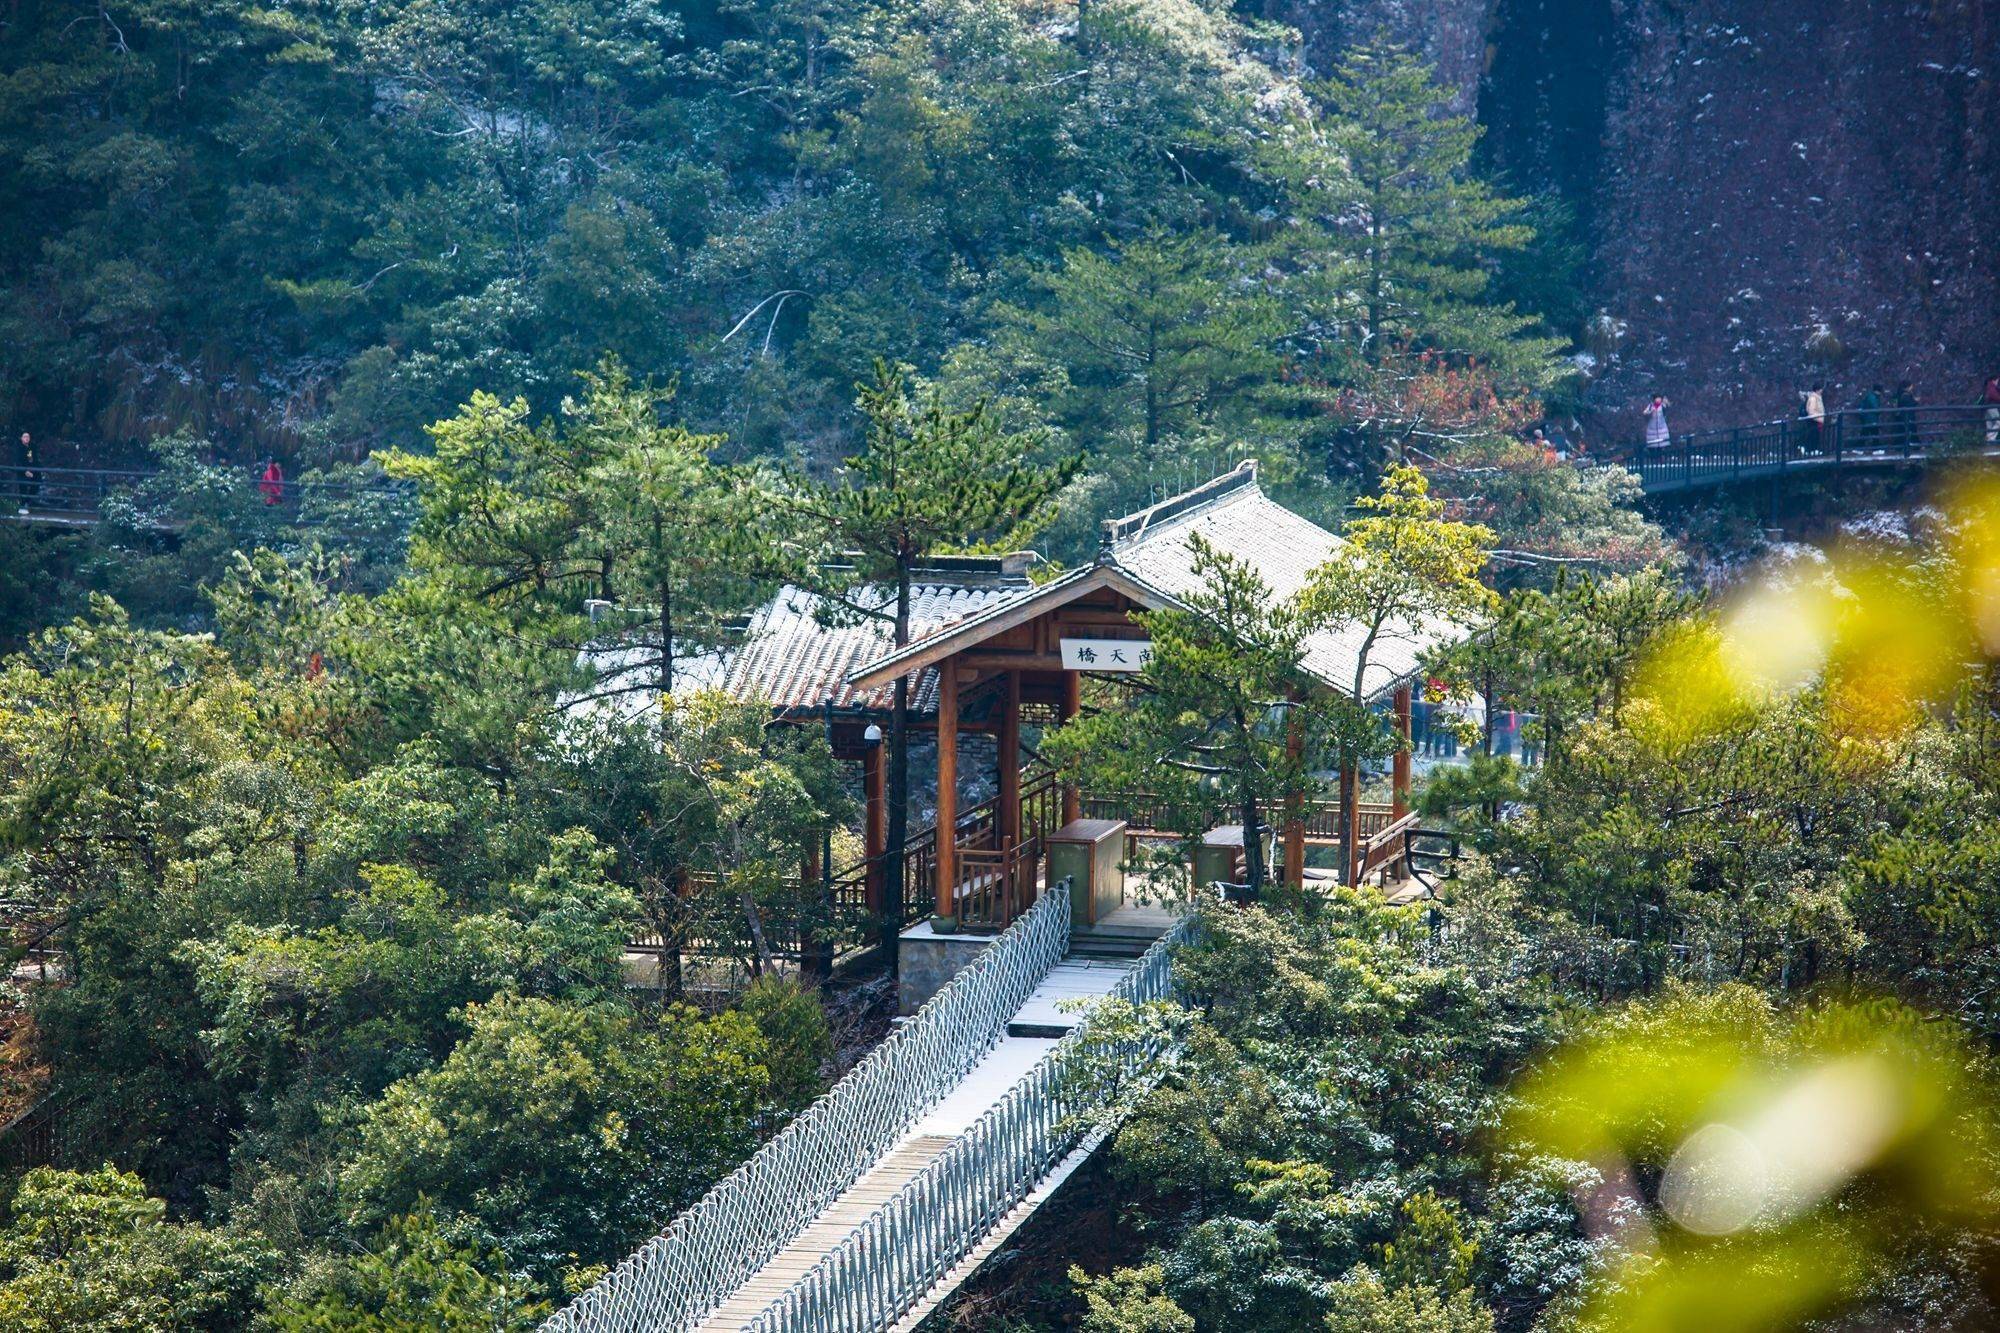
{"points": [[1033, 1031]]}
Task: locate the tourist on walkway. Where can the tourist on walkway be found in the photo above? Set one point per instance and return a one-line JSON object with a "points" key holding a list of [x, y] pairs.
{"points": [[1992, 400], [1657, 435], [1906, 413], [31, 476], [1868, 412], [1812, 410], [273, 483]]}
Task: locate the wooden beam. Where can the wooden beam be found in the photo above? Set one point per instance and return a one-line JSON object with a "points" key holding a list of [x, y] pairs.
{"points": [[1010, 762], [947, 790], [1072, 704], [875, 814], [1350, 838], [936, 647]]}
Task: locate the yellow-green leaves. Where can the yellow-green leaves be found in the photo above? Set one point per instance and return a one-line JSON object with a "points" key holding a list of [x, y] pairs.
{"points": [[1882, 637], [1760, 1168]]}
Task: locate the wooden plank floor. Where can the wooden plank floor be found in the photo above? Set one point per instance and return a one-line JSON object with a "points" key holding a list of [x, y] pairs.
{"points": [[1044, 1020], [1051, 1010], [847, 1212]]}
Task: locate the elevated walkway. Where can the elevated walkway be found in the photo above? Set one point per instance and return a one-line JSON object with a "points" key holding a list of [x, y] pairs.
{"points": [[881, 1198], [1886, 436]]}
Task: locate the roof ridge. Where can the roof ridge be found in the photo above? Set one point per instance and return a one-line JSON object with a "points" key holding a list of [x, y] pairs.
{"points": [[1238, 481]]}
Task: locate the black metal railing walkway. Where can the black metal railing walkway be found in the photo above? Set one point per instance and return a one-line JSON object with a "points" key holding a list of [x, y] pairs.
{"points": [[1852, 437], [76, 496]]}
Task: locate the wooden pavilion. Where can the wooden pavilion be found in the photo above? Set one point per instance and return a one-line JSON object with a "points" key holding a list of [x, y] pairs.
{"points": [[992, 650]]}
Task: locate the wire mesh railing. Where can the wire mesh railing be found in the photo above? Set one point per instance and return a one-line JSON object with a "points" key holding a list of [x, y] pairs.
{"points": [[681, 1275], [884, 1268]]}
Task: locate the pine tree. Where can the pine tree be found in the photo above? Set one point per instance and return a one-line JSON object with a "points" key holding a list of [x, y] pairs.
{"points": [[1390, 273], [1402, 569], [1161, 347], [535, 520], [1219, 725], [927, 481]]}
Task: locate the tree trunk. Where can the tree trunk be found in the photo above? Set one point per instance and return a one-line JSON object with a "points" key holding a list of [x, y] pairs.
{"points": [[666, 630], [1253, 841], [765, 964], [1253, 846]]}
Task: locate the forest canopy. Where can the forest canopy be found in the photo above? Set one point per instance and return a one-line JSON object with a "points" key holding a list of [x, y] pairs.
{"points": [[385, 962]]}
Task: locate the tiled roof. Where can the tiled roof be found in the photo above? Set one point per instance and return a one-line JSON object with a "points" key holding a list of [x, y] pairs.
{"points": [[1149, 556], [791, 658], [1153, 547]]}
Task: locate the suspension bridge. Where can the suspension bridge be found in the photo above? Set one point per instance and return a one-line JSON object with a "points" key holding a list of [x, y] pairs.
{"points": [[71, 497], [887, 1193]]}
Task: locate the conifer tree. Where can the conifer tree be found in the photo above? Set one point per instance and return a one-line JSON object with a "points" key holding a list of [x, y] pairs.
{"points": [[535, 520], [927, 481], [1403, 569], [1220, 723], [1165, 342], [1390, 275]]}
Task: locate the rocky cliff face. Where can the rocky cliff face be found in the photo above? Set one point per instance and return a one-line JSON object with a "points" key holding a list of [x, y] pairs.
{"points": [[1772, 192]]}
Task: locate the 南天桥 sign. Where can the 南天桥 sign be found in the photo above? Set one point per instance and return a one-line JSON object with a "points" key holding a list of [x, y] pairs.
{"points": [[1105, 654]]}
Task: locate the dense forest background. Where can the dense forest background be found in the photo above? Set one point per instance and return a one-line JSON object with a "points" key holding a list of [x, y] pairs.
{"points": [[316, 228], [587, 302]]}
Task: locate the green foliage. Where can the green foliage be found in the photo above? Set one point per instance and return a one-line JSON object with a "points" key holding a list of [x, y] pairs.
{"points": [[559, 1132], [92, 1250], [1391, 268], [930, 480], [1328, 1115], [1403, 225], [1362, 1304], [1158, 354], [798, 1041], [526, 523], [413, 1279], [1404, 565], [1220, 724], [1430, 1249], [1129, 1300]]}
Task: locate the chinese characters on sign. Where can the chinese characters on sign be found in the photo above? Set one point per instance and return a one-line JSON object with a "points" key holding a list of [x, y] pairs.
{"points": [[1105, 654]]}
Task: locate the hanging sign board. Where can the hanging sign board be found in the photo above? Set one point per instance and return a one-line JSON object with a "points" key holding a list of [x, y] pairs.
{"points": [[1105, 654]]}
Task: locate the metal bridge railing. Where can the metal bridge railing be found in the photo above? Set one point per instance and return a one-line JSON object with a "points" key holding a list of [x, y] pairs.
{"points": [[879, 1273], [679, 1276], [78, 495], [1852, 436]]}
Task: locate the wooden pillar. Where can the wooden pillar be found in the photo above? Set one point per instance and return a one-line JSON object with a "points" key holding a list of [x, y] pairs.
{"points": [[1072, 704], [874, 816], [1295, 804], [947, 787], [1009, 744], [1400, 773]]}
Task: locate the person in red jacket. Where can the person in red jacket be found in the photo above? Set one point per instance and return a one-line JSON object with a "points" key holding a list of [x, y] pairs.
{"points": [[273, 483]]}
